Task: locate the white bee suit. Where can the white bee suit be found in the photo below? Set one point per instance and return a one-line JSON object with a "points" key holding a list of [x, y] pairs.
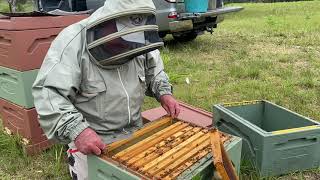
{"points": [[97, 72]]}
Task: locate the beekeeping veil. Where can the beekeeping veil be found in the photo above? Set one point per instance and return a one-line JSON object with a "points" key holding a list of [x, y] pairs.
{"points": [[122, 30]]}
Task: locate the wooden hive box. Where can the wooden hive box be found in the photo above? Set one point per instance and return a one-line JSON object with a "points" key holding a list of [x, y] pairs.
{"points": [[24, 41], [24, 122], [276, 140], [163, 149], [15, 86]]}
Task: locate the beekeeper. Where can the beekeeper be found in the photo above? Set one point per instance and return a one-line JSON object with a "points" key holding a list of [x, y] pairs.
{"points": [[92, 83]]}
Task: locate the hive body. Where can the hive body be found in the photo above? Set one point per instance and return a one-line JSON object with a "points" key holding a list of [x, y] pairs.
{"points": [[164, 149]]}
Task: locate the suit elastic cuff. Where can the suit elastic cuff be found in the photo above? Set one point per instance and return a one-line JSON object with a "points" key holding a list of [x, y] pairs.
{"points": [[78, 129], [163, 93]]}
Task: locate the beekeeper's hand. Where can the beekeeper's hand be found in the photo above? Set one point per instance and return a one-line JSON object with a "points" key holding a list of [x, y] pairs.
{"points": [[88, 142], [170, 104]]}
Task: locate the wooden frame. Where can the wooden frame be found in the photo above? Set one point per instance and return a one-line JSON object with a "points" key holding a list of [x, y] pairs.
{"points": [[162, 150], [221, 160]]}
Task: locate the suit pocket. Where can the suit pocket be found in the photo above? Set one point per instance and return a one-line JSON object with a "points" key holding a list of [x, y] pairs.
{"points": [[91, 98]]}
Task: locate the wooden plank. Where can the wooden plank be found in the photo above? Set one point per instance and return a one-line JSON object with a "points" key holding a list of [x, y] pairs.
{"points": [[228, 164], [138, 133], [220, 158], [181, 160], [169, 141], [150, 141], [161, 150], [175, 173], [216, 154], [179, 154], [150, 165], [139, 144]]}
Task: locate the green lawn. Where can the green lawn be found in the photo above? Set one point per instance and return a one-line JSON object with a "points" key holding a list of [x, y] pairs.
{"points": [[267, 51], [4, 6], [27, 6]]}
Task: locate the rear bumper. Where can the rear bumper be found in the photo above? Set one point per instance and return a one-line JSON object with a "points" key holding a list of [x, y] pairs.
{"points": [[210, 13], [189, 21]]}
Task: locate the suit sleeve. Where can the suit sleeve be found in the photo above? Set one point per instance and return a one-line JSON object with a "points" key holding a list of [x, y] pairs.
{"points": [[54, 91], [156, 79]]}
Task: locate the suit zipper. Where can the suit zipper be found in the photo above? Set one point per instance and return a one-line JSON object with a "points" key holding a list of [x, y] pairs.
{"points": [[128, 99]]}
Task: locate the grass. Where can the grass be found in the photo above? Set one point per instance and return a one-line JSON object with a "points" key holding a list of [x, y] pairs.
{"points": [[26, 7], [267, 51], [14, 164], [4, 6]]}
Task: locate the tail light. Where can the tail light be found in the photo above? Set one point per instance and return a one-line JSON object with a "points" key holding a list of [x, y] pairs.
{"points": [[173, 15]]}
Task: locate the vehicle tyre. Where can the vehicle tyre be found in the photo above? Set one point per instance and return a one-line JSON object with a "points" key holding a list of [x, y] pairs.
{"points": [[44, 5], [36, 5], [162, 34], [185, 37]]}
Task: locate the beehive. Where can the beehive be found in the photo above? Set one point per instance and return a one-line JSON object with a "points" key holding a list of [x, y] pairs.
{"points": [[165, 149], [15, 86], [276, 140], [24, 41], [24, 122]]}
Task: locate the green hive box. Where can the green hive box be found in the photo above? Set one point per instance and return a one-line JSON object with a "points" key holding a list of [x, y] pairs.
{"points": [[15, 86], [275, 139], [100, 169]]}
